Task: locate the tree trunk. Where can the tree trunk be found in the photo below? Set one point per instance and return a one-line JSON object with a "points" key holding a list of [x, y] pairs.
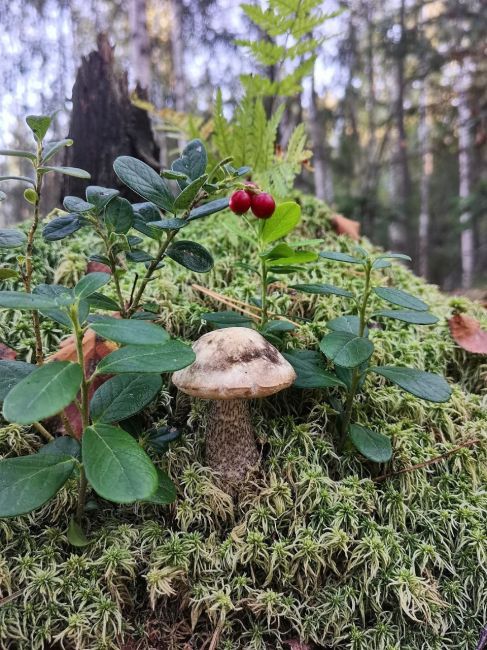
{"points": [[464, 173], [398, 239], [424, 186], [322, 173], [104, 123], [231, 449], [140, 58]]}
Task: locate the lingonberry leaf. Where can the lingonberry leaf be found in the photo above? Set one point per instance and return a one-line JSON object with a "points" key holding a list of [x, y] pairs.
{"points": [[192, 161], [27, 482], [169, 357], [322, 289], [373, 445], [128, 331], [408, 316], [74, 204], [64, 446], [191, 255], [18, 153], [43, 392], [400, 298], [285, 218], [349, 324], [340, 257], [75, 535], [189, 193], [208, 208], [11, 372], [227, 319], [29, 301], [166, 490], [116, 466], [123, 396], [346, 349], [58, 292], [50, 149], [310, 370], [119, 215], [144, 181], [91, 283], [425, 385], [62, 227], [11, 238], [39, 125], [67, 171], [100, 197]]}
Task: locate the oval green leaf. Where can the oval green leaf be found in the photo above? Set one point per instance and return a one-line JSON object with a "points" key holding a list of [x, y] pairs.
{"points": [[21, 300], [11, 372], [349, 324], [11, 238], [340, 257], [128, 332], [191, 255], [100, 197], [406, 316], [169, 357], [322, 289], [400, 298], [38, 124], [119, 215], [192, 161], [285, 218], [425, 385], [166, 490], [345, 349], [187, 196], [67, 171], [144, 181], [116, 467], [62, 227], [310, 370], [43, 393], [74, 204], [91, 283], [62, 446], [208, 208], [123, 396], [371, 444]]}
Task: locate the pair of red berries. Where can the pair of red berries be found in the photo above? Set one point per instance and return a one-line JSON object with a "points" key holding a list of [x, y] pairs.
{"points": [[261, 203]]}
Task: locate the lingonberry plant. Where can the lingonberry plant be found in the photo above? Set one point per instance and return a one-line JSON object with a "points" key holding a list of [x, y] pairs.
{"points": [[108, 458], [272, 223], [349, 348], [12, 238]]}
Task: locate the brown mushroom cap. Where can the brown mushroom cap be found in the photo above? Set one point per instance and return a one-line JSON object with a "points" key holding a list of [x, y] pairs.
{"points": [[234, 363]]}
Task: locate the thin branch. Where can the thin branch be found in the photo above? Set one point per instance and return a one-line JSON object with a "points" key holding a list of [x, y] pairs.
{"points": [[43, 431]]}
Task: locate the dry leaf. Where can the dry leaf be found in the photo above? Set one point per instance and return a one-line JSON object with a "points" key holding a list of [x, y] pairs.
{"points": [[344, 226], [6, 353], [97, 267], [94, 349], [466, 331]]}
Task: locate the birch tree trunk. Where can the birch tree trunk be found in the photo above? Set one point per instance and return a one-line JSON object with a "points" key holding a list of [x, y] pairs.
{"points": [[464, 173], [140, 54]]}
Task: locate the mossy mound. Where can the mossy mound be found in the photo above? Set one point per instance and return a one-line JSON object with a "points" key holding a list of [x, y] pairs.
{"points": [[319, 547]]}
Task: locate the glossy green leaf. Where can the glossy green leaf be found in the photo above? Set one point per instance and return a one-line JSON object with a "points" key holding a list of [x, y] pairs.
{"points": [[310, 370], [144, 181], [39, 125], [168, 224], [187, 196], [129, 331], [11, 372], [191, 255], [18, 153], [43, 393], [22, 300], [285, 218], [90, 283], [174, 176], [144, 214], [391, 256], [139, 256], [401, 298], [64, 446], [99, 301], [67, 171], [119, 215], [340, 257], [208, 208], [27, 482], [169, 357], [346, 349], [74, 204], [349, 324], [50, 149], [116, 467], [166, 490], [414, 317], [371, 444], [100, 197], [62, 227], [30, 195], [123, 396], [60, 293], [76, 535], [11, 238], [322, 289], [273, 326], [424, 385], [227, 319], [192, 161], [159, 439], [298, 257], [23, 179]]}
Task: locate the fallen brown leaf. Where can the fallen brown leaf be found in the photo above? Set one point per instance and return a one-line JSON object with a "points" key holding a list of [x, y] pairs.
{"points": [[344, 226], [466, 331], [6, 353]]}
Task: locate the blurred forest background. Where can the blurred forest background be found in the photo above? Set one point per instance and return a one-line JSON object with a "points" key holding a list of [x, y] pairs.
{"points": [[392, 93]]}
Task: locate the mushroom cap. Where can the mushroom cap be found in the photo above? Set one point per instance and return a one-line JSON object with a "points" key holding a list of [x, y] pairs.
{"points": [[233, 363]]}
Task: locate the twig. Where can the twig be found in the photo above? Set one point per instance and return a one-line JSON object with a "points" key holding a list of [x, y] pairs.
{"points": [[238, 304], [43, 431], [431, 461], [9, 598]]}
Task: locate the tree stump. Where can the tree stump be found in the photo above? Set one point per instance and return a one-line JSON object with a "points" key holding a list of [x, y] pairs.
{"points": [[104, 123]]}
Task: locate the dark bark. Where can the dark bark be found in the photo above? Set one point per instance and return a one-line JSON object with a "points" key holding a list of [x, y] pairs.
{"points": [[104, 123]]}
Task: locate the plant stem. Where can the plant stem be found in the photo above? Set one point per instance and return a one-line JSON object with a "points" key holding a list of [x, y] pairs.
{"points": [[43, 431], [263, 295], [78, 335], [27, 274], [356, 371]]}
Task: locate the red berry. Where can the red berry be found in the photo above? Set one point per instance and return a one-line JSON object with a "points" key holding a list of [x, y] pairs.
{"points": [[263, 205], [239, 202]]}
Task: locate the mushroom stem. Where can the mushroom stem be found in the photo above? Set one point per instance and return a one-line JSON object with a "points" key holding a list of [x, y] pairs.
{"points": [[230, 441]]}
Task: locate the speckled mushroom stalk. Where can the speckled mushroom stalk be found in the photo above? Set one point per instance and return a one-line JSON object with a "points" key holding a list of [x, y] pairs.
{"points": [[233, 365]]}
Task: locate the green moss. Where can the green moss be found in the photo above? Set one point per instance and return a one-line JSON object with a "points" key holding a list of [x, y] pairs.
{"points": [[316, 547]]}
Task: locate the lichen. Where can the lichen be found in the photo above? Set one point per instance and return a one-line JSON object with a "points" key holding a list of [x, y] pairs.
{"points": [[319, 546]]}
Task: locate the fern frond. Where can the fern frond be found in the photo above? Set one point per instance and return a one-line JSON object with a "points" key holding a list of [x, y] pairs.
{"points": [[222, 129]]}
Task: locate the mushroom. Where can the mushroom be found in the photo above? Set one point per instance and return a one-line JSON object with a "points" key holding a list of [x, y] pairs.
{"points": [[232, 366]]}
